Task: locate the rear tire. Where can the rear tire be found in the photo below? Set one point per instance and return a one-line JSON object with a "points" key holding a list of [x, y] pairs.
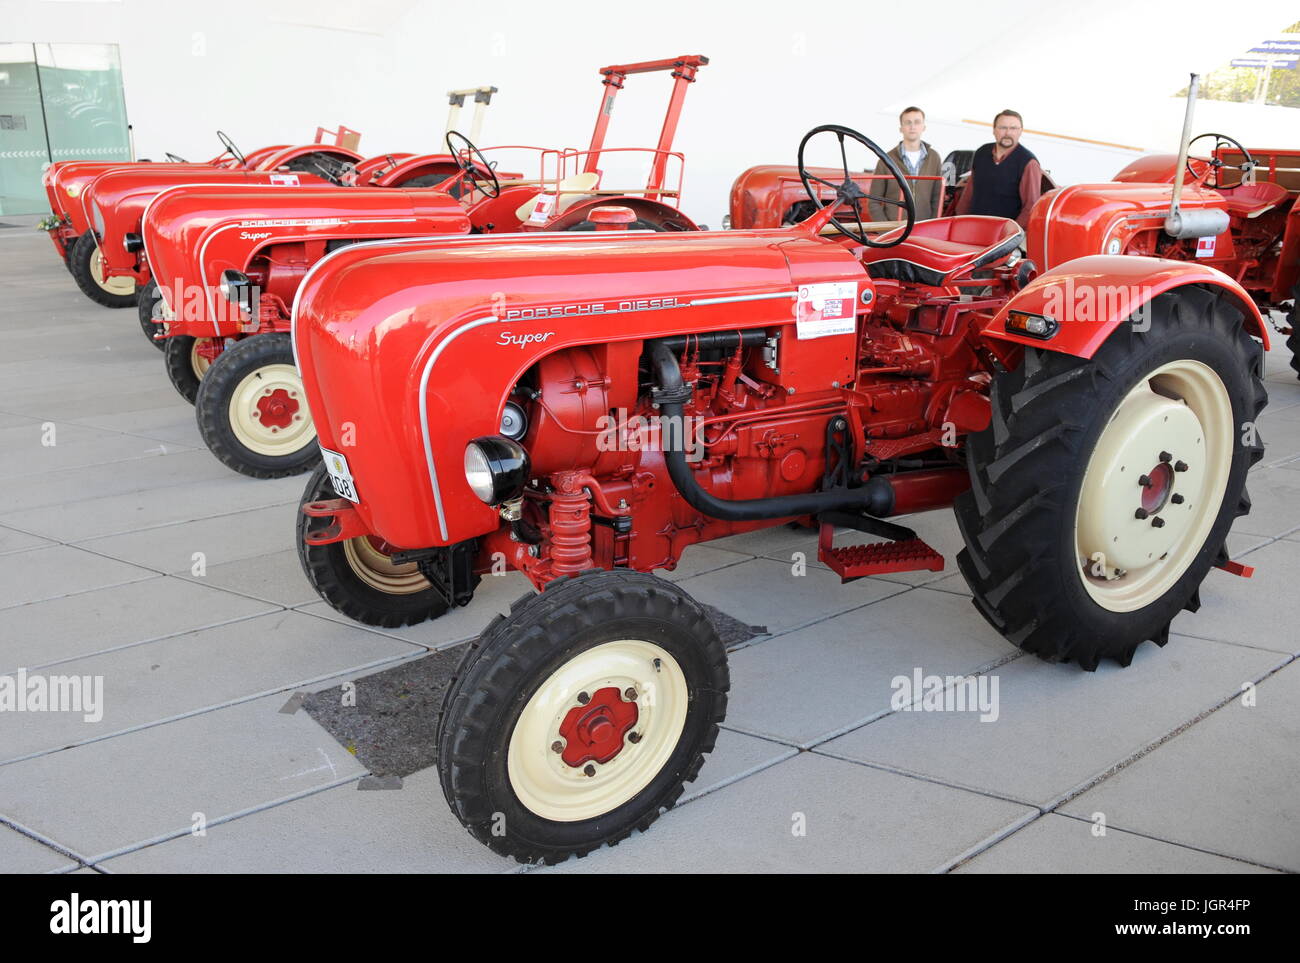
{"points": [[185, 366], [1293, 319], [149, 307], [87, 271], [1050, 482], [520, 748], [252, 410], [356, 578]]}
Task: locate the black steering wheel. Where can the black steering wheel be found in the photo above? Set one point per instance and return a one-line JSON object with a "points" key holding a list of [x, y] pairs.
{"points": [[473, 165], [1248, 165], [851, 193], [231, 149], [175, 158]]}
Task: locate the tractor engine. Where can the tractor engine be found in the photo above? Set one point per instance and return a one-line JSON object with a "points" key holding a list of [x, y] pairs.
{"points": [[762, 417]]}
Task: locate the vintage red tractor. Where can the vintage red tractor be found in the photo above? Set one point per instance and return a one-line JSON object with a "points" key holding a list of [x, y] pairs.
{"points": [[229, 259], [1232, 209], [582, 409]]}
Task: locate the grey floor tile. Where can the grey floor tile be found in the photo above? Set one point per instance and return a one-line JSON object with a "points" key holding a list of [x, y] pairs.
{"points": [[1262, 610], [146, 684], [123, 792], [276, 577], [340, 830], [767, 592], [15, 541], [22, 854], [1059, 844], [80, 625], [812, 814], [59, 570], [27, 453], [698, 559], [1226, 785], [807, 685], [60, 488], [1056, 727], [1275, 503], [735, 756]]}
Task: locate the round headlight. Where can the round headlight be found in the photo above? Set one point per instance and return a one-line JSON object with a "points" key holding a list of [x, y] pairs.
{"points": [[496, 468]]}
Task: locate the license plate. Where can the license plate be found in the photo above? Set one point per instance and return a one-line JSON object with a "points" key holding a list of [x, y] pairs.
{"points": [[340, 475]]}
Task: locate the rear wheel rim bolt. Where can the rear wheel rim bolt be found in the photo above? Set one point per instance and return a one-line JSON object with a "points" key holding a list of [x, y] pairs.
{"points": [[1157, 522]]}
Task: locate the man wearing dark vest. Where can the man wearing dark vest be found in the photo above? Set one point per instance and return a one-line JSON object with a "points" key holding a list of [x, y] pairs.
{"points": [[1005, 179]]}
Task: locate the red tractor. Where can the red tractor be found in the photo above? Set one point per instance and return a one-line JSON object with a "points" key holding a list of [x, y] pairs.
{"points": [[583, 408], [66, 183], [1233, 209], [229, 258]]}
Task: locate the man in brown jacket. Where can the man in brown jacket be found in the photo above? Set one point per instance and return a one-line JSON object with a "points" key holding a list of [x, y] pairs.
{"points": [[915, 158]]}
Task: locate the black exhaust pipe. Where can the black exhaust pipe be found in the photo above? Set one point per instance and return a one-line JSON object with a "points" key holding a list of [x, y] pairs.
{"points": [[876, 497]]}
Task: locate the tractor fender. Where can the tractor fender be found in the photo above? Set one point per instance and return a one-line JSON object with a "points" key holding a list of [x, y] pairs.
{"points": [[414, 166], [663, 216], [1090, 297]]}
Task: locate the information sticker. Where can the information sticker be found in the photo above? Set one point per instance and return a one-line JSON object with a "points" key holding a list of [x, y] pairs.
{"points": [[290, 180], [1205, 246], [826, 309], [542, 208]]}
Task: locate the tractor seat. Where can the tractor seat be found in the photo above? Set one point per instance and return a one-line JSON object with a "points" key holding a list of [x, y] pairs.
{"points": [[943, 248], [1252, 200], [571, 188]]}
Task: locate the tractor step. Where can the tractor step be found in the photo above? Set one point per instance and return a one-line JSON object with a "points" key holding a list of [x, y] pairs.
{"points": [[877, 558]]}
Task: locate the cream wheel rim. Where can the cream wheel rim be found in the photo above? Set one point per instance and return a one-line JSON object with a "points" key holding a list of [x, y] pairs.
{"points": [[378, 570], [268, 411], [552, 788], [114, 285], [1153, 486], [199, 363]]}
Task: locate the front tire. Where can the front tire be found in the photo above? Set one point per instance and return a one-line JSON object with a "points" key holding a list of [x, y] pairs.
{"points": [[582, 715], [357, 577], [185, 365], [87, 268], [1103, 490], [150, 309], [252, 410], [1293, 319]]}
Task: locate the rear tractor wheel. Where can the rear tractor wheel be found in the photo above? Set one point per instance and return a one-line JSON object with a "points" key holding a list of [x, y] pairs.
{"points": [[87, 265], [582, 715], [252, 410], [1103, 490], [358, 577]]}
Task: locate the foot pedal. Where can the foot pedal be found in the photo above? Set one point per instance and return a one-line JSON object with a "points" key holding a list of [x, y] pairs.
{"points": [[878, 558]]}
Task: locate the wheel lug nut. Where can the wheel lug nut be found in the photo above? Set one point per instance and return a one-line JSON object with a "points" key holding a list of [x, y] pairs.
{"points": [[583, 698], [629, 694], [1180, 466], [557, 746], [1176, 499], [1144, 481], [1157, 522], [1141, 513], [1166, 457], [590, 770], [634, 737]]}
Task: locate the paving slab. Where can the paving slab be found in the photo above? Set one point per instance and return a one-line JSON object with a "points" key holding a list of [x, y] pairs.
{"points": [[58, 570], [1275, 503], [807, 685], [175, 466], [1261, 611], [1056, 727], [150, 683], [22, 854], [1059, 844], [766, 592], [219, 540], [81, 625], [1226, 785], [123, 792], [275, 577], [853, 819], [74, 447], [16, 541]]}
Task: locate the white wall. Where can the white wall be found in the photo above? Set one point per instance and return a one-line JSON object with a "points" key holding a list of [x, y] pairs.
{"points": [[272, 70]]}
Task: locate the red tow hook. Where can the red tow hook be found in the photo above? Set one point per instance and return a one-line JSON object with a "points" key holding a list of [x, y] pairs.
{"points": [[1236, 568], [346, 522]]}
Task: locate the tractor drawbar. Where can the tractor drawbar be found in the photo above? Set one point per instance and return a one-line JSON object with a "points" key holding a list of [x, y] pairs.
{"points": [[876, 497]]}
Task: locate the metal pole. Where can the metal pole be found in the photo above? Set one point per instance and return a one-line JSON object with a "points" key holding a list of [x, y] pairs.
{"points": [[1184, 146]]}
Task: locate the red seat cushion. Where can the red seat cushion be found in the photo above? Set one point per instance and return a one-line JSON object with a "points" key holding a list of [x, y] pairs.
{"points": [[941, 248], [1251, 200]]}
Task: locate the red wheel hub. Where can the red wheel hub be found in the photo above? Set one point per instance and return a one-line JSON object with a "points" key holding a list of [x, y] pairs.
{"points": [[277, 409], [1156, 494], [594, 732]]}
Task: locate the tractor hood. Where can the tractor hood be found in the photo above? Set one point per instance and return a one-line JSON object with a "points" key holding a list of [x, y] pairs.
{"points": [[65, 181], [1085, 219], [409, 350], [192, 234]]}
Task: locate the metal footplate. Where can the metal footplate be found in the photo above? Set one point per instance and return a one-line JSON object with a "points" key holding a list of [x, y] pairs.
{"points": [[903, 553]]}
